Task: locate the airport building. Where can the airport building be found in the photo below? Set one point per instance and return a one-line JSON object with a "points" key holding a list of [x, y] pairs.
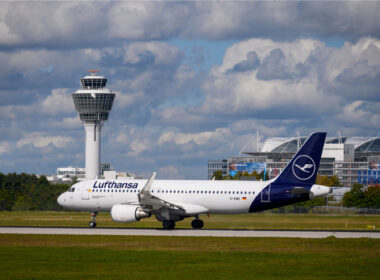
{"points": [[67, 174], [352, 159]]}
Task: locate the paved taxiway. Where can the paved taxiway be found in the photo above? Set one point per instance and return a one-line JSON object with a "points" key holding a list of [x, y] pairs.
{"points": [[189, 232]]}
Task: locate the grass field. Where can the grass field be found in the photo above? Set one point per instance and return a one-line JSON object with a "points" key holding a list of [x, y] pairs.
{"points": [[248, 221], [128, 257]]}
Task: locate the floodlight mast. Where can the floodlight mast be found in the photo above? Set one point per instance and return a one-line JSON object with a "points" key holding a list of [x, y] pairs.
{"points": [[93, 103]]}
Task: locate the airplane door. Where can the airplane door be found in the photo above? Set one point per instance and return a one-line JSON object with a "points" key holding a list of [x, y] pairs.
{"points": [[265, 194], [85, 193]]}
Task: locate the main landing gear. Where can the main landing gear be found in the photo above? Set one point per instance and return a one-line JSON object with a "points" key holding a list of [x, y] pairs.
{"points": [[92, 223], [197, 223], [168, 224]]}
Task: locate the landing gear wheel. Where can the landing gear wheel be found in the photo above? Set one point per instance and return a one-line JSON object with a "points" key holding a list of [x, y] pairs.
{"points": [[168, 224], [92, 224], [197, 224]]}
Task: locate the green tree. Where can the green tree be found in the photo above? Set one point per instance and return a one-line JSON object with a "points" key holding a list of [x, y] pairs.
{"points": [[218, 175], [355, 197]]}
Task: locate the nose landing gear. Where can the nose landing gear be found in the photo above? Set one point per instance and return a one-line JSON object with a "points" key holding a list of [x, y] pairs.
{"points": [[92, 223], [197, 223]]}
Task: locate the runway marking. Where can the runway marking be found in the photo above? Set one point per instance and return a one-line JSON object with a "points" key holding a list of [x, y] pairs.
{"points": [[190, 232]]}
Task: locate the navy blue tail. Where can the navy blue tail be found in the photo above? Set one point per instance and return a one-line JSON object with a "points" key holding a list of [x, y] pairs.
{"points": [[302, 169], [294, 183]]}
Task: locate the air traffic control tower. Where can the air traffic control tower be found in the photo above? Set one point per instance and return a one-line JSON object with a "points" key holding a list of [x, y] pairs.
{"points": [[93, 103]]}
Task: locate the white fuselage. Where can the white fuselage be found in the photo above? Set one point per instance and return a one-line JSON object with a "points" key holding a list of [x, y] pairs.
{"points": [[217, 196]]}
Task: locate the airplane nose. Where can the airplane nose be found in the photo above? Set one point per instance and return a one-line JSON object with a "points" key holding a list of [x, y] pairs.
{"points": [[61, 200]]}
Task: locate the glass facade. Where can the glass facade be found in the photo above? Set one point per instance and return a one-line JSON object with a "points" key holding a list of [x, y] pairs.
{"points": [[93, 83], [93, 106]]}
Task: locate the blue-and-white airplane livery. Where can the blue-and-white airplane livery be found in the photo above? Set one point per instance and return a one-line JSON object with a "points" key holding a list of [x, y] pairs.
{"points": [[174, 200]]}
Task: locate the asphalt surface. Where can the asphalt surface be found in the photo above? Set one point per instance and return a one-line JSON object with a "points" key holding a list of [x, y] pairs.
{"points": [[189, 232]]}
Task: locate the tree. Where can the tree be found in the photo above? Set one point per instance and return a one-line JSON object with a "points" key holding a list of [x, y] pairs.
{"points": [[361, 197], [218, 175], [330, 181]]}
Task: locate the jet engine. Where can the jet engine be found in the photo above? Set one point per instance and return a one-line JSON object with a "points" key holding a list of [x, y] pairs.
{"points": [[319, 190], [127, 213]]}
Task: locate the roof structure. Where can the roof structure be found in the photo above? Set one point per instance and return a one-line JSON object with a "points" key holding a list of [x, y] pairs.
{"points": [[291, 145]]}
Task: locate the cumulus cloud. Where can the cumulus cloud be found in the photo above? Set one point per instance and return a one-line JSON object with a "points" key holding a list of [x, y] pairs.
{"points": [[40, 141], [59, 24], [279, 76], [169, 172], [303, 74], [60, 101]]}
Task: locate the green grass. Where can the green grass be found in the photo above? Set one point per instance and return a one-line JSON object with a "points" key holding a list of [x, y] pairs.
{"points": [[247, 221], [137, 257]]}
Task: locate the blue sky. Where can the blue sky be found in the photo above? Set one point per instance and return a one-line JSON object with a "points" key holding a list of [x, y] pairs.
{"points": [[194, 80]]}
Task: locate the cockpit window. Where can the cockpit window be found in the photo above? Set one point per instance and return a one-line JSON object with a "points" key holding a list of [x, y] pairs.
{"points": [[71, 189]]}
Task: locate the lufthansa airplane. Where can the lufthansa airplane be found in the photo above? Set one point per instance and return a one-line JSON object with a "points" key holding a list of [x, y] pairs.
{"points": [[174, 200]]}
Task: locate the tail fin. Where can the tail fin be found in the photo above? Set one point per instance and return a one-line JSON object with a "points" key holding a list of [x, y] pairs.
{"points": [[302, 169]]}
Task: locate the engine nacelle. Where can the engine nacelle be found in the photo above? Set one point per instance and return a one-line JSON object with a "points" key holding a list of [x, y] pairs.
{"points": [[318, 190], [127, 213]]}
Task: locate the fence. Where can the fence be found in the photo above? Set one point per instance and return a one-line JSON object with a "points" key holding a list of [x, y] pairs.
{"points": [[328, 210]]}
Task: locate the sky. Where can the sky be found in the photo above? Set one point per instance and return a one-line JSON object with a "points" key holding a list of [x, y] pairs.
{"points": [[194, 80]]}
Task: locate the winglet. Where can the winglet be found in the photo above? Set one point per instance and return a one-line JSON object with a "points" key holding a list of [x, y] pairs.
{"points": [[145, 191]]}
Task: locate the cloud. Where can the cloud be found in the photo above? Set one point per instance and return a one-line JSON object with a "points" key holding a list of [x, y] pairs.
{"points": [[303, 74], [200, 139], [40, 141], [76, 24], [60, 101], [276, 77], [251, 63], [5, 147], [169, 172]]}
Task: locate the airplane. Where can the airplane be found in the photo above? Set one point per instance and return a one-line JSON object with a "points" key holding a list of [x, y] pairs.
{"points": [[174, 200]]}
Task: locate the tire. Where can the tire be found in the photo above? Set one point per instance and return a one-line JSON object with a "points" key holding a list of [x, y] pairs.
{"points": [[92, 224], [168, 224], [197, 224]]}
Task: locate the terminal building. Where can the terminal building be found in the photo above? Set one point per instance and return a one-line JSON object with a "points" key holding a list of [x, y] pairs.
{"points": [[69, 173], [351, 159]]}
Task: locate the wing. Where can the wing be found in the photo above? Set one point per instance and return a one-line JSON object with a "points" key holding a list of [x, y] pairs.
{"points": [[150, 202], [309, 165], [153, 203]]}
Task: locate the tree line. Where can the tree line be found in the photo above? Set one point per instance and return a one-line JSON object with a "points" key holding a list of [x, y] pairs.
{"points": [[26, 192]]}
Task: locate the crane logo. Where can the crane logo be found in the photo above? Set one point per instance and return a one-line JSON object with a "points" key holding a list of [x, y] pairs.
{"points": [[303, 167]]}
